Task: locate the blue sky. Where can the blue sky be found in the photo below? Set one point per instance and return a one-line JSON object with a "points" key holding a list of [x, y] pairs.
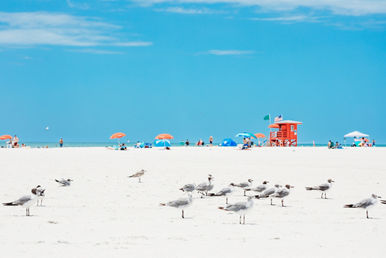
{"points": [[192, 68]]}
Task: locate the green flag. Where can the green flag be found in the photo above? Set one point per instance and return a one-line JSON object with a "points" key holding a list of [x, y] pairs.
{"points": [[266, 117]]}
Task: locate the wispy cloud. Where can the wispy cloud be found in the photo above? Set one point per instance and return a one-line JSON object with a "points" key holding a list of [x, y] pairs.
{"points": [[289, 19], [229, 52], [41, 28], [181, 10], [342, 7], [96, 51], [77, 5]]}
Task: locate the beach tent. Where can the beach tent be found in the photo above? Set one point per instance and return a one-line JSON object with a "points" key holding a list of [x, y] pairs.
{"points": [[228, 142], [356, 134], [162, 143]]}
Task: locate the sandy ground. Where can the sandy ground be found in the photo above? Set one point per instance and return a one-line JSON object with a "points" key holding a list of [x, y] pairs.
{"points": [[106, 214]]}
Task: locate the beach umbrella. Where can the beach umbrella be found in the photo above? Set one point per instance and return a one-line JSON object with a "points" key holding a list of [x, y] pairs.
{"points": [[117, 136], [162, 143], [273, 126], [5, 137], [228, 142], [164, 137], [246, 135], [259, 135]]}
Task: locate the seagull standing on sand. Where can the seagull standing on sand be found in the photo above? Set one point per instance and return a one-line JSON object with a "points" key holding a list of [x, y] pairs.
{"points": [[139, 174], [240, 208], [281, 193], [323, 188], [188, 188], [26, 201], [181, 204], [269, 192], [223, 192], [40, 193], [205, 187], [64, 182], [365, 204], [244, 185], [259, 188]]}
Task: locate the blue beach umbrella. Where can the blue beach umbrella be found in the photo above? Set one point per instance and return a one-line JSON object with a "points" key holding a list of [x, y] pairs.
{"points": [[228, 142], [162, 143], [246, 135]]}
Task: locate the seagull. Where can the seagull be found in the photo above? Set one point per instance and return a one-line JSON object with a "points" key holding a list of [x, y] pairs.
{"points": [[383, 201], [243, 185], [240, 208], [323, 188], [40, 195], [139, 174], [205, 187], [188, 188], [25, 201], [223, 192], [259, 188], [64, 182], [365, 204], [281, 193], [181, 203], [269, 192]]}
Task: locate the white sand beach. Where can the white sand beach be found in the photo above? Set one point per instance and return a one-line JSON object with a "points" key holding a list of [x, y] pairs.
{"points": [[106, 214]]}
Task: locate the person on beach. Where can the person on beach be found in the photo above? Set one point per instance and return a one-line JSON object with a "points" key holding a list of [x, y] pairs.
{"points": [[123, 147], [187, 142], [61, 142], [373, 143], [211, 140], [15, 141]]}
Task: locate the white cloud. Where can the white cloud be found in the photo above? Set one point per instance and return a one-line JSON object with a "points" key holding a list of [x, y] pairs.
{"points": [[229, 52], [133, 44], [96, 51], [40, 28], [342, 7], [182, 10], [289, 19]]}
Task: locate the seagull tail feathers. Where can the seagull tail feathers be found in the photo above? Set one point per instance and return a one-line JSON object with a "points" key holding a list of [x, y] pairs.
{"points": [[349, 206], [9, 204], [212, 194], [221, 208], [310, 188], [162, 204]]}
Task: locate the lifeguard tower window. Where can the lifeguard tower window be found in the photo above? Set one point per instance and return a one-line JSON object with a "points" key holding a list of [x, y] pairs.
{"points": [[292, 127]]}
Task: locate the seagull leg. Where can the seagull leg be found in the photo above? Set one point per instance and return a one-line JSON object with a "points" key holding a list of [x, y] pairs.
{"points": [[367, 214], [244, 219], [282, 203], [139, 179], [183, 216], [321, 196], [244, 193], [240, 219], [226, 200], [271, 202]]}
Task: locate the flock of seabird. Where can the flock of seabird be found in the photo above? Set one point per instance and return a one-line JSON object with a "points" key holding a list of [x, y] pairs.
{"points": [[263, 191]]}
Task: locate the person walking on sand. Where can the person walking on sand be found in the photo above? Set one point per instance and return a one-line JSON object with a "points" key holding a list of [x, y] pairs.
{"points": [[211, 141], [61, 142]]}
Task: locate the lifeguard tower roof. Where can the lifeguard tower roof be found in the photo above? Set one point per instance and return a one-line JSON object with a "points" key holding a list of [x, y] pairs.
{"points": [[289, 122]]}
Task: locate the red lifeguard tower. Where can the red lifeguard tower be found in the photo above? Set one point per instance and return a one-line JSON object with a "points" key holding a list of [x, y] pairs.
{"points": [[287, 134]]}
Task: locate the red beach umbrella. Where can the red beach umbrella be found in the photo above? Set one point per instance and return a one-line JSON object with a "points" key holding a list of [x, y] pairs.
{"points": [[259, 135], [117, 136], [5, 137], [164, 136]]}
